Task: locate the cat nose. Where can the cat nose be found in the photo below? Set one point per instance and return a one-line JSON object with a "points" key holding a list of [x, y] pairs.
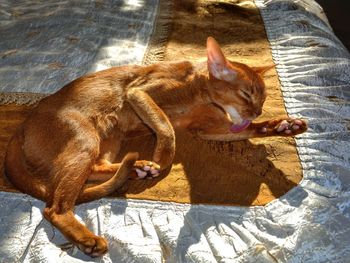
{"points": [[258, 112]]}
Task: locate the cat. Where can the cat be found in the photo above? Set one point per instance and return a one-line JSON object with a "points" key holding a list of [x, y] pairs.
{"points": [[75, 134]]}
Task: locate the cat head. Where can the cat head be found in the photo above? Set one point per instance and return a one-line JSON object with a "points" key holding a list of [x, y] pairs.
{"points": [[235, 87]]}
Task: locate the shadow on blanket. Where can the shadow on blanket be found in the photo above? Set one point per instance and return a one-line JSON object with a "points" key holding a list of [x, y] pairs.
{"points": [[235, 173]]}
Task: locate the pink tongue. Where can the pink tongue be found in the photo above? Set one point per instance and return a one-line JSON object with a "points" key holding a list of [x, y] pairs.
{"points": [[240, 127]]}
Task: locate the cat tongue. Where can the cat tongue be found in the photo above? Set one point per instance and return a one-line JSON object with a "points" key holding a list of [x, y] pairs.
{"points": [[240, 127]]}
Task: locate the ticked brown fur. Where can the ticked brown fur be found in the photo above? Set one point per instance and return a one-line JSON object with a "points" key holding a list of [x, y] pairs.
{"points": [[75, 134]]}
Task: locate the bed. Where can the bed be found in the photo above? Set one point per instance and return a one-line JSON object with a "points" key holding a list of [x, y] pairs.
{"points": [[274, 200]]}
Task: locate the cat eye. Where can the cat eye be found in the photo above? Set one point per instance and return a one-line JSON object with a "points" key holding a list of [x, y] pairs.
{"points": [[245, 94]]}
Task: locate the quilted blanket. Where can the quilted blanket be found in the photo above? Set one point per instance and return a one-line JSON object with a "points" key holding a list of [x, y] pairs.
{"points": [[308, 220], [47, 44]]}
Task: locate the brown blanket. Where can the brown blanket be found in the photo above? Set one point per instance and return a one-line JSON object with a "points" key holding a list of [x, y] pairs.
{"points": [[250, 172]]}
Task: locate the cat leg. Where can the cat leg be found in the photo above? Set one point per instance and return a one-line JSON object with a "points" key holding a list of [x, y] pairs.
{"points": [[277, 127], [90, 193], [155, 118], [73, 230], [210, 123], [104, 170], [105, 167], [70, 172]]}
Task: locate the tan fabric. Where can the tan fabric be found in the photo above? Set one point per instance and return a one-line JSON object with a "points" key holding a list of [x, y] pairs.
{"points": [[250, 172]]}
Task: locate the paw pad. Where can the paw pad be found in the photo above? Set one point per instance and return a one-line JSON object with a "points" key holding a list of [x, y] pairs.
{"points": [[147, 169], [289, 126]]}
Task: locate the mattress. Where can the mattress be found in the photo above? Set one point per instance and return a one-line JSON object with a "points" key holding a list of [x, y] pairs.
{"points": [[309, 222]]}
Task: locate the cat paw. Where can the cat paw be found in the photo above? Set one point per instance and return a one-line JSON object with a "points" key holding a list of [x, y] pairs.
{"points": [[146, 169], [286, 127], [93, 246], [291, 126]]}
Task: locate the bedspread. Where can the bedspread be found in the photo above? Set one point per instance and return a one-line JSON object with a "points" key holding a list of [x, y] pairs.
{"points": [[311, 223]]}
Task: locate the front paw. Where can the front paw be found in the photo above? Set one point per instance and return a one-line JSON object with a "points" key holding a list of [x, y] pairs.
{"points": [[146, 169], [284, 127]]}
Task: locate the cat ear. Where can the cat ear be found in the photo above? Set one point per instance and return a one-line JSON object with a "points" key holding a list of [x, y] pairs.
{"points": [[217, 63], [262, 70]]}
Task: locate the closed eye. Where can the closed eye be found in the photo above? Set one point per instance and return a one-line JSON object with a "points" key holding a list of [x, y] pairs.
{"points": [[245, 94]]}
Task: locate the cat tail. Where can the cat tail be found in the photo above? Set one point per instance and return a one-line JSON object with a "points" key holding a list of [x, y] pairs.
{"points": [[16, 170], [116, 181]]}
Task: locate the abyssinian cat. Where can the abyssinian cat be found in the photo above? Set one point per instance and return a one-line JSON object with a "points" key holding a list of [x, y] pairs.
{"points": [[75, 134]]}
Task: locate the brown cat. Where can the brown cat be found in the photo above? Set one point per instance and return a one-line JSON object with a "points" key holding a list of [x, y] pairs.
{"points": [[75, 134]]}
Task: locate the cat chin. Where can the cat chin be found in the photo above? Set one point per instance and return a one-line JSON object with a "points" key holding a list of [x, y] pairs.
{"points": [[240, 127]]}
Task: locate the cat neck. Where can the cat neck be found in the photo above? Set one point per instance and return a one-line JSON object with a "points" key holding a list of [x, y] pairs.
{"points": [[187, 90], [199, 84], [178, 84]]}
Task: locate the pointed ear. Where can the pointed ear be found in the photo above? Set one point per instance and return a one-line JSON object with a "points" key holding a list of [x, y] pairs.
{"points": [[217, 63], [262, 70]]}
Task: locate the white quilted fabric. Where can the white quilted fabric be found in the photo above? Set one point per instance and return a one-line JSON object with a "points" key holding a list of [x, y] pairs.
{"points": [[47, 44]]}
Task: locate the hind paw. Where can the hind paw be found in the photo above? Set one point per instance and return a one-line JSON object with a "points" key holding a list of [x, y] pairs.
{"points": [[146, 169], [94, 246]]}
